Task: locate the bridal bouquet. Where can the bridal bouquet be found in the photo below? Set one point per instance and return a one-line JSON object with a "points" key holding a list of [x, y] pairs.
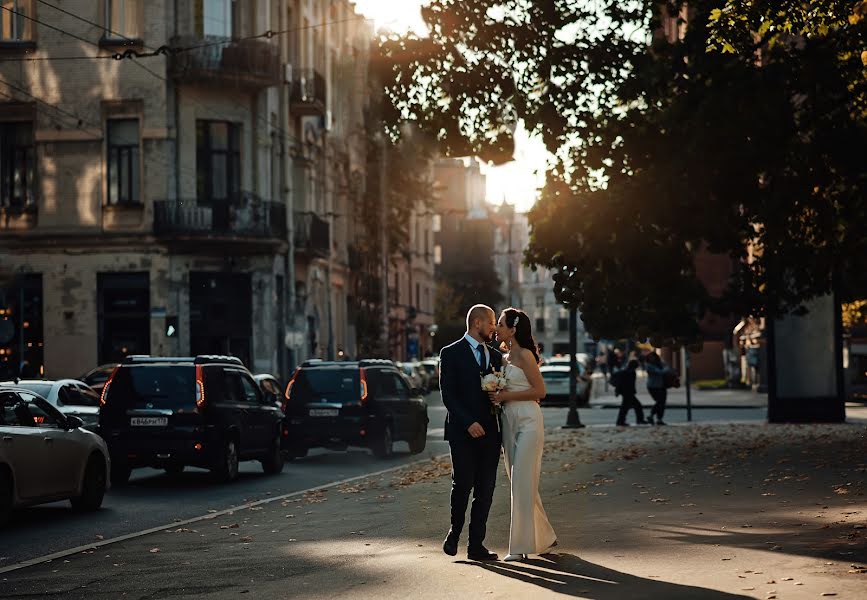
{"points": [[495, 382]]}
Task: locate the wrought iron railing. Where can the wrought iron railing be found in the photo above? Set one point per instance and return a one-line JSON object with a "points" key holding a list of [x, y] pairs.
{"points": [[243, 62], [312, 234], [309, 91], [246, 215]]}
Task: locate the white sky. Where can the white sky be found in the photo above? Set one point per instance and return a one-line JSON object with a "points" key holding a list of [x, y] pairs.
{"points": [[516, 182]]}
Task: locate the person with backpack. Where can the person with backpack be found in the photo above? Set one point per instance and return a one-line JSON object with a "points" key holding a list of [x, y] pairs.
{"points": [[659, 377], [623, 381]]}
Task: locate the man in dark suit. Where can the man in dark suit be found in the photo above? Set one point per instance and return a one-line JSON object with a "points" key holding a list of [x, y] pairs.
{"points": [[471, 429]]}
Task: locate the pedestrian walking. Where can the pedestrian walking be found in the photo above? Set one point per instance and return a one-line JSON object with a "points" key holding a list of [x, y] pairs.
{"points": [[659, 375], [624, 386]]}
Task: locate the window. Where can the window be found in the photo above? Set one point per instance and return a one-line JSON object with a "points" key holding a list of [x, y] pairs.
{"points": [[16, 164], [14, 24], [540, 301], [216, 17], [251, 391], [122, 19], [218, 160], [540, 325], [562, 324], [400, 386], [26, 410], [123, 161]]}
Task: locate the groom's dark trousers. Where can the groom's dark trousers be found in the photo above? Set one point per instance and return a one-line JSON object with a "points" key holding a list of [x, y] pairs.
{"points": [[474, 460]]}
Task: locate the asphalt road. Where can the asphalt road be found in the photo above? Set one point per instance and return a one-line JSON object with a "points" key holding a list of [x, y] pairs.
{"points": [[153, 499]]}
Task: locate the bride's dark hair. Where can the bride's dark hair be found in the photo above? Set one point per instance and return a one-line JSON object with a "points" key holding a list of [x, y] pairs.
{"points": [[523, 330]]}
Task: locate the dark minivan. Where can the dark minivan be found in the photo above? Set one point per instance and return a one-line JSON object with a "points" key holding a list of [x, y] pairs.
{"points": [[202, 411], [345, 403]]}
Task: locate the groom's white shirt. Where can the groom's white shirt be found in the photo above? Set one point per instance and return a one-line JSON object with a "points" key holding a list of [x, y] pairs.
{"points": [[475, 346]]}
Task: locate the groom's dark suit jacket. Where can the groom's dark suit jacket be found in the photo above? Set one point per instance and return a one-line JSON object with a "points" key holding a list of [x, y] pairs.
{"points": [[461, 389]]}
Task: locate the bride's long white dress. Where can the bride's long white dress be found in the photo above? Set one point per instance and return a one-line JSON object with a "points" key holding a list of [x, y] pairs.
{"points": [[523, 442]]}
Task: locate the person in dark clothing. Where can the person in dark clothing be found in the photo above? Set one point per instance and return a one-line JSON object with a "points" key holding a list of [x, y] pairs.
{"points": [[626, 389], [656, 373]]}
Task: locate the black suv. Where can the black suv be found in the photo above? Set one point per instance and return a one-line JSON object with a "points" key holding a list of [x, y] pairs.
{"points": [[338, 404], [202, 411]]}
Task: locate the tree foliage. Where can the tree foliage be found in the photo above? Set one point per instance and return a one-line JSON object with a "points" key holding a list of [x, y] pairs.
{"points": [[680, 129]]}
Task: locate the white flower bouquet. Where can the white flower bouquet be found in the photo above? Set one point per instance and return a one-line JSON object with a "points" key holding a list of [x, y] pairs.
{"points": [[495, 382]]}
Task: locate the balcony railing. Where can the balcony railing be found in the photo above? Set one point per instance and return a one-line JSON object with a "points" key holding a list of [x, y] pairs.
{"points": [[312, 235], [247, 216], [245, 63], [309, 93]]}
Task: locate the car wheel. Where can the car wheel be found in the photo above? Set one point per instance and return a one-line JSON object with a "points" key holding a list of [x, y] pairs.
{"points": [[92, 486], [417, 444], [120, 473], [174, 469], [382, 447], [227, 469], [273, 463], [5, 496]]}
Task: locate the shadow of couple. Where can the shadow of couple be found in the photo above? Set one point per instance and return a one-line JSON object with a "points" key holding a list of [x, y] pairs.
{"points": [[572, 576]]}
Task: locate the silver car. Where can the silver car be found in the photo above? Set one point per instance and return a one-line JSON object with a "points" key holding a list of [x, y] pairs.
{"points": [[46, 456], [556, 378], [70, 396]]}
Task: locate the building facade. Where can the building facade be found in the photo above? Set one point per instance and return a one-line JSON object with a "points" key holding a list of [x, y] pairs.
{"points": [[187, 202]]}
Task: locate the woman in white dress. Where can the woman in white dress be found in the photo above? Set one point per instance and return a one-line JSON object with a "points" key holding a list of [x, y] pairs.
{"points": [[523, 436]]}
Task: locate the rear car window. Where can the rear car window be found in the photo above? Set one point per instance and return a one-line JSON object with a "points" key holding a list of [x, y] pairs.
{"points": [[43, 389], [555, 375], [153, 386], [326, 385]]}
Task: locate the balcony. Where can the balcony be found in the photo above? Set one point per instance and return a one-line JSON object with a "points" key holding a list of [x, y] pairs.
{"points": [[214, 59], [248, 216], [312, 235], [308, 94]]}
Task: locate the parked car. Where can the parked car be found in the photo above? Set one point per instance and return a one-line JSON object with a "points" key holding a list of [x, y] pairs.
{"points": [[339, 404], [563, 359], [416, 380], [202, 411], [97, 377], [432, 368], [69, 396], [556, 378], [271, 388], [46, 456]]}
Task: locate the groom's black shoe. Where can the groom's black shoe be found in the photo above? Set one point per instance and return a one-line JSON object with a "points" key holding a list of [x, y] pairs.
{"points": [[481, 553], [450, 545]]}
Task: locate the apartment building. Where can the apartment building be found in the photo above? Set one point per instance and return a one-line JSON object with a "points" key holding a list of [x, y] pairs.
{"points": [[185, 202]]}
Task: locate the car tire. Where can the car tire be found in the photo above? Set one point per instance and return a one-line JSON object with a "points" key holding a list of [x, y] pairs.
{"points": [[227, 469], [120, 473], [174, 469], [92, 486], [418, 442], [6, 490], [273, 463], [383, 446]]}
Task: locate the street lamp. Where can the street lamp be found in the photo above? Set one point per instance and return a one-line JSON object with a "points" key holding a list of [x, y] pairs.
{"points": [[573, 421]]}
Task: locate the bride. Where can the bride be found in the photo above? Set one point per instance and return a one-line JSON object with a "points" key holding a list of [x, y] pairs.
{"points": [[523, 436]]}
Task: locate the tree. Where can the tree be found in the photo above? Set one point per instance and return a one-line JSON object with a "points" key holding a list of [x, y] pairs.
{"points": [[667, 148]]}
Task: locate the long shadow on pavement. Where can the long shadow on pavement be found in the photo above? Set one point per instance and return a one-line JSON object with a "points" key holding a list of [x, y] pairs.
{"points": [[570, 575]]}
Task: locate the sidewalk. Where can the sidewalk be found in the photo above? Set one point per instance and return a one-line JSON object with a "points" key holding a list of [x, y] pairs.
{"points": [[677, 397], [684, 512]]}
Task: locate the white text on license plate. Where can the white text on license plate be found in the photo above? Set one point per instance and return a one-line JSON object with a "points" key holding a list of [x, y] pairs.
{"points": [[324, 412], [149, 421]]}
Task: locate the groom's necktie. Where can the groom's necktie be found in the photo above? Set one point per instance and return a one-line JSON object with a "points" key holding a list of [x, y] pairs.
{"points": [[481, 350]]}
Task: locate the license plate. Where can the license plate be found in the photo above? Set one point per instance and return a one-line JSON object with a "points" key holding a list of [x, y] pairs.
{"points": [[324, 412], [149, 421]]}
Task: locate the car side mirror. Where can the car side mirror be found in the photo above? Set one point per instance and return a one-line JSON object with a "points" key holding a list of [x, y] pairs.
{"points": [[73, 422]]}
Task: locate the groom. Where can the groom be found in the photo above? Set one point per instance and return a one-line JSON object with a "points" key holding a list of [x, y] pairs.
{"points": [[471, 429]]}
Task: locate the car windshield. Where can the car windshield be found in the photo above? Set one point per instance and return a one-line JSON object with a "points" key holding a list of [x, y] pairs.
{"points": [[326, 385], [43, 389], [153, 386]]}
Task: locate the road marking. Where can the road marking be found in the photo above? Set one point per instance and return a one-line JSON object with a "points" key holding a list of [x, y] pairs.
{"points": [[99, 544]]}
